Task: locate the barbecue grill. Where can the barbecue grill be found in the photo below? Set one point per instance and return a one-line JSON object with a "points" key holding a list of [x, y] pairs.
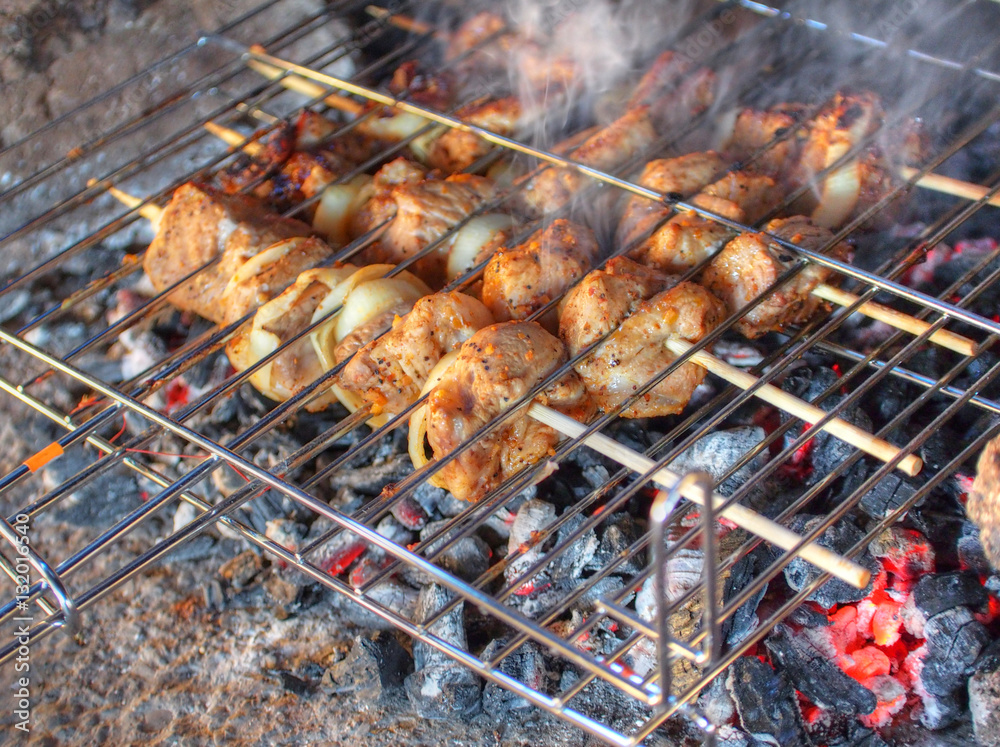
{"points": [[214, 84]]}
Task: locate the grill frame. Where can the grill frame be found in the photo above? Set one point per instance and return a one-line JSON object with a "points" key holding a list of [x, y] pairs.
{"points": [[84, 427]]}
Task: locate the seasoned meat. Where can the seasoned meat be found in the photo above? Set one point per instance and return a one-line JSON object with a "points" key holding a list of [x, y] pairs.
{"points": [[635, 353], [475, 31], [425, 211], [381, 206], [265, 274], [752, 263], [674, 92], [455, 150], [608, 148], [201, 224], [519, 281], [495, 368], [603, 300], [768, 141], [687, 239], [389, 372], [277, 322]]}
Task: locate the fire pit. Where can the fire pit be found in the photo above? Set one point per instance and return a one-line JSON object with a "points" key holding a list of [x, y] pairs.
{"points": [[813, 580]]}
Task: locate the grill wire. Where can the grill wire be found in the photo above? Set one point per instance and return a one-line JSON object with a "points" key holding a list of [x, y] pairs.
{"points": [[229, 93]]}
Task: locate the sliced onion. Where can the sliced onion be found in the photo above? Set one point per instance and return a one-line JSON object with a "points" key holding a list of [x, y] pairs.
{"points": [[259, 261], [338, 205], [421, 145], [324, 338], [471, 238], [396, 126], [840, 193], [417, 434], [370, 299]]}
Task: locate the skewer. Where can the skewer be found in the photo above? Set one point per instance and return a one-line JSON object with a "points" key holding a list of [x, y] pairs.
{"points": [[307, 88], [149, 211], [947, 185], [857, 437], [405, 23], [742, 516], [899, 320], [235, 139]]}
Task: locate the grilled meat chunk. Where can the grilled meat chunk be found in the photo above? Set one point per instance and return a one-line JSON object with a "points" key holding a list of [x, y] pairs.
{"points": [[456, 150], [552, 188], [635, 352], [380, 206], [202, 224], [425, 211], [752, 263], [688, 239], [495, 368], [519, 281], [390, 371], [605, 298]]}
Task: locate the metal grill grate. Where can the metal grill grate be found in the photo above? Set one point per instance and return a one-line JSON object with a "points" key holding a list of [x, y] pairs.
{"points": [[168, 138]]}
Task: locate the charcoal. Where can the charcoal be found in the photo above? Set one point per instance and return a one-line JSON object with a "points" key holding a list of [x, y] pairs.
{"points": [[971, 553], [815, 676], [731, 736], [605, 703], [765, 703], [684, 572], [840, 537], [715, 702], [440, 687], [954, 640], [97, 503], [984, 697], [905, 552], [285, 588], [370, 479], [409, 513], [717, 452], [240, 570], [859, 736], [887, 495], [534, 516], [939, 711], [569, 563], [433, 500], [374, 666], [526, 665], [390, 528], [467, 558], [809, 617], [596, 475], [603, 589], [937, 592], [285, 532], [620, 532], [744, 620]]}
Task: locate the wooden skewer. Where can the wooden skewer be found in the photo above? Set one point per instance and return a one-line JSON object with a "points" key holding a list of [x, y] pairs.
{"points": [[149, 211], [742, 516], [899, 320], [308, 88], [857, 437], [235, 139], [404, 22], [947, 185]]}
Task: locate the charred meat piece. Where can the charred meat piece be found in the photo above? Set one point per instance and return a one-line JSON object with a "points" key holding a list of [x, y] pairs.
{"points": [[519, 281], [635, 352], [425, 211], [390, 371], [751, 263], [202, 224], [495, 368]]}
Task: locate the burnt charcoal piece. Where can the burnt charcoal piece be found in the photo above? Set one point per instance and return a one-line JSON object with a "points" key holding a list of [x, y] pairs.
{"points": [[887, 495], [984, 697], [467, 558], [954, 640], [620, 533], [569, 564], [983, 505], [717, 452], [409, 513], [744, 621], [939, 711], [373, 666], [840, 537], [970, 550], [440, 687], [887, 400], [372, 478], [938, 592], [809, 617], [765, 702], [526, 665], [815, 676]]}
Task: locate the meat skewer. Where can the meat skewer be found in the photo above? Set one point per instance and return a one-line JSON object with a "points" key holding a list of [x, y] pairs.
{"points": [[685, 240], [764, 528]]}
